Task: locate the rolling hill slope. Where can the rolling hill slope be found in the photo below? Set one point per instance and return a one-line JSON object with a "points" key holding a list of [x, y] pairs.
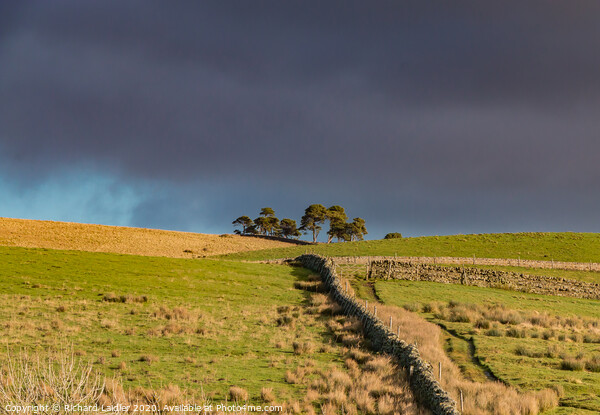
{"points": [[124, 240]]}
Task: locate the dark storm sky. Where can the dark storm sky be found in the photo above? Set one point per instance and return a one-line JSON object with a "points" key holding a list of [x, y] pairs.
{"points": [[423, 117]]}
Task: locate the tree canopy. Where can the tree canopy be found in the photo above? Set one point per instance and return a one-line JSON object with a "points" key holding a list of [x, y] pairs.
{"points": [[311, 223], [393, 235], [314, 216], [245, 222], [288, 229]]}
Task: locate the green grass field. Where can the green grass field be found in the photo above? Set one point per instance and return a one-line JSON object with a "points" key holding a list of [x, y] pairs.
{"points": [[518, 352], [205, 325], [566, 246]]}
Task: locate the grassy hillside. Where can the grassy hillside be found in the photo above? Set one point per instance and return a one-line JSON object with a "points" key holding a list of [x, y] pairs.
{"points": [[124, 240], [531, 341], [199, 324], [567, 246], [199, 330]]}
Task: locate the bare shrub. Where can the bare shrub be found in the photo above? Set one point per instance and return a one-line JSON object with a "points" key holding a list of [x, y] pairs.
{"points": [[61, 378]]}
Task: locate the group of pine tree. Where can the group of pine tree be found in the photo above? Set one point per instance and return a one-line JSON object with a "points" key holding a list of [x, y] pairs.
{"points": [[314, 216]]}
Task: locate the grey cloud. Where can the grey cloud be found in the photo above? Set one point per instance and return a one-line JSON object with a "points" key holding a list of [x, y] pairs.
{"points": [[477, 102]]}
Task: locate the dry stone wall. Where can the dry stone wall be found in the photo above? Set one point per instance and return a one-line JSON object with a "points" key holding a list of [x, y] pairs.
{"points": [[422, 380], [511, 262], [393, 269]]}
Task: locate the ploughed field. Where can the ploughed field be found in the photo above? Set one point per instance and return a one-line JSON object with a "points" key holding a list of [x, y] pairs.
{"points": [[124, 240]]}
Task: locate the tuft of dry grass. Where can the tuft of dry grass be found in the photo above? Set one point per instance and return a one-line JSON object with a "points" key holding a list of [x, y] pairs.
{"points": [[176, 313], [267, 395], [301, 348], [114, 298], [238, 394], [149, 358]]}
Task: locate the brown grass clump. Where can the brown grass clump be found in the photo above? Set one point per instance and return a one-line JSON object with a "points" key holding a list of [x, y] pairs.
{"points": [[315, 286], [175, 313], [301, 348], [108, 324], [292, 377], [124, 240], [168, 329], [267, 395], [385, 405], [149, 358], [114, 298], [238, 394]]}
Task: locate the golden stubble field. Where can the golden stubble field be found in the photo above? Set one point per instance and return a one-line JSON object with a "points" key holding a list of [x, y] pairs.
{"points": [[124, 240]]}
